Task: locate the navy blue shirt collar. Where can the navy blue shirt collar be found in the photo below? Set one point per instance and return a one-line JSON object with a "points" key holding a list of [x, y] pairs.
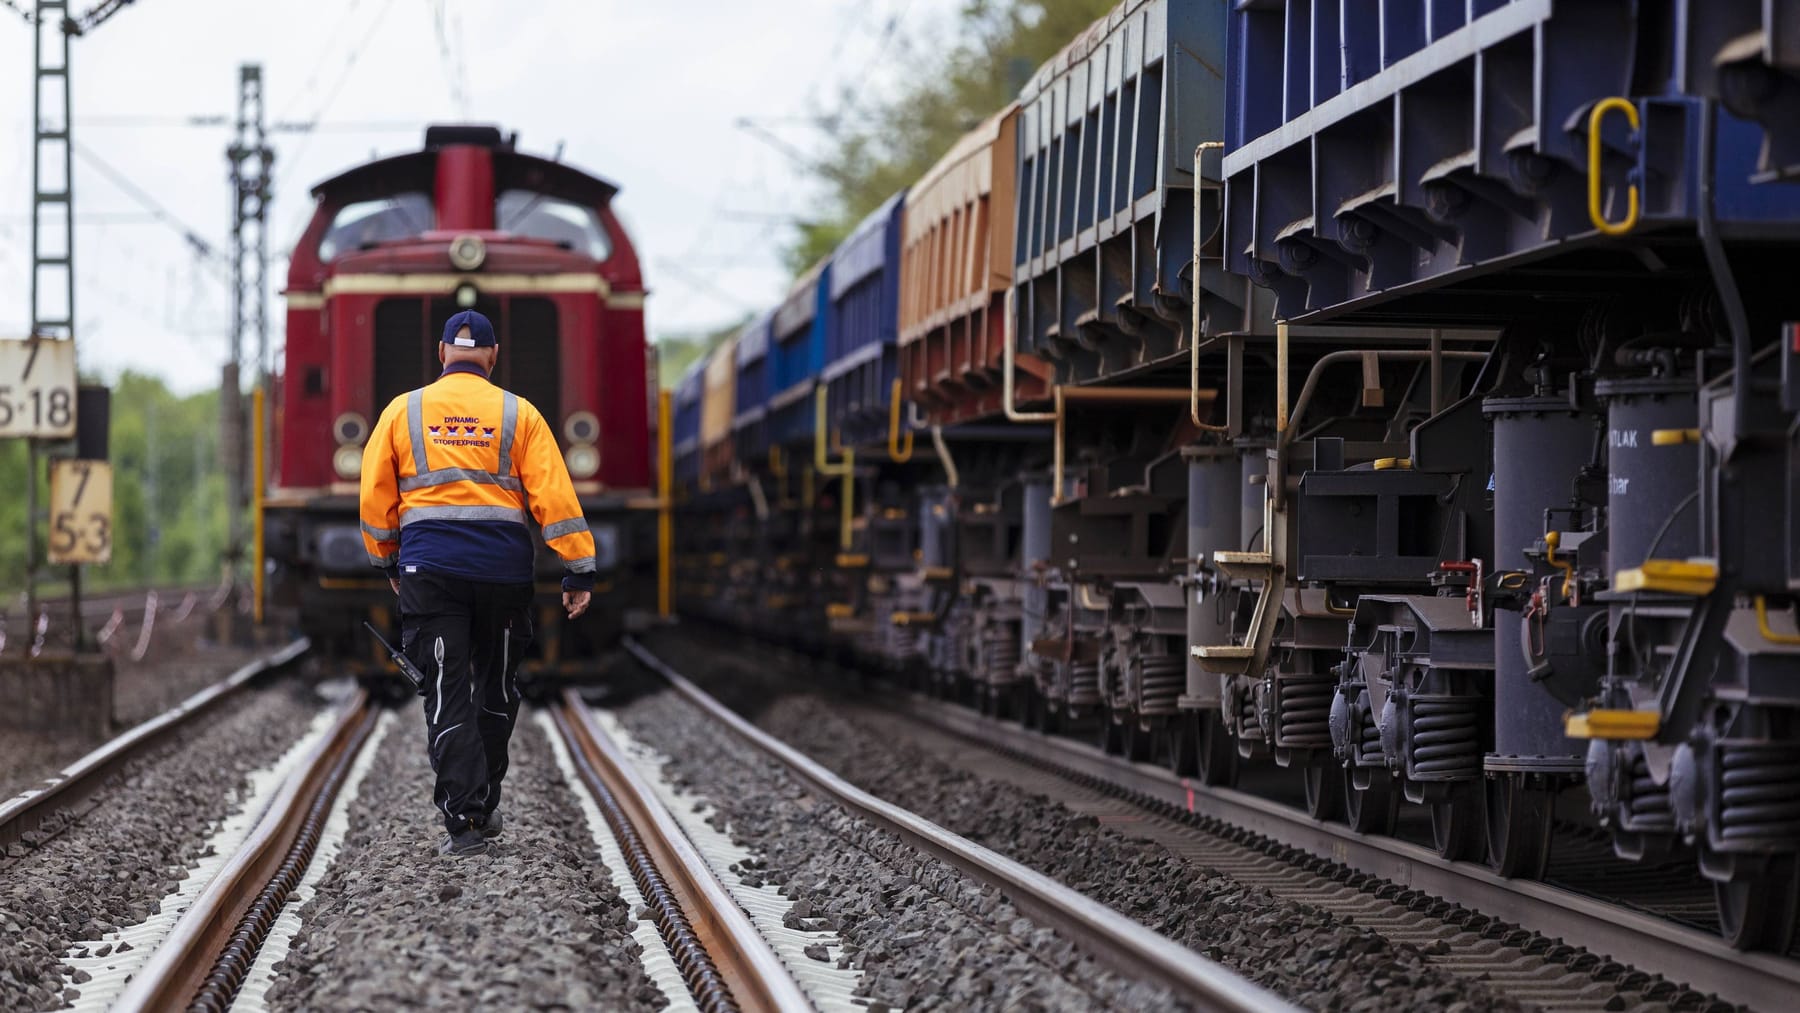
{"points": [[465, 367]]}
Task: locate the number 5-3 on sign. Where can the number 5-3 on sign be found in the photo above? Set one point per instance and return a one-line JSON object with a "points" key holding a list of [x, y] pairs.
{"points": [[81, 504], [37, 388]]}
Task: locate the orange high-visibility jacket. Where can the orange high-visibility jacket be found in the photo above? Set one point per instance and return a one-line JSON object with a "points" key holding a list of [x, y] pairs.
{"points": [[455, 477]]}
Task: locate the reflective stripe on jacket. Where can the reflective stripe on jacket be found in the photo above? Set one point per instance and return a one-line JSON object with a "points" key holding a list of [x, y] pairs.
{"points": [[457, 474]]}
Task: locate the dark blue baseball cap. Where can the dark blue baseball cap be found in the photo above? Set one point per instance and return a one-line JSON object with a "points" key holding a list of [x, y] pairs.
{"points": [[481, 332]]}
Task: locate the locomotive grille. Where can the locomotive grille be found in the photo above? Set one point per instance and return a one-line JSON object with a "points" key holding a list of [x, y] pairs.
{"points": [[530, 359], [401, 349], [405, 347]]}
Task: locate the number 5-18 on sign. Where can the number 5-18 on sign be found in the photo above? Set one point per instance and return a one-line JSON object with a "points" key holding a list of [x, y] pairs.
{"points": [[37, 388], [81, 504]]}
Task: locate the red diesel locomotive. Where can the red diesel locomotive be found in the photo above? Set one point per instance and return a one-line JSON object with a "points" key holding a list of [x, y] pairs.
{"points": [[393, 249]]}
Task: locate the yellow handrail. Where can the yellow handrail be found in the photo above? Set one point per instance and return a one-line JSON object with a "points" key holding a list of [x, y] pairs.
{"points": [[1596, 120], [1009, 341], [1194, 334], [1768, 632], [1552, 540], [845, 469], [895, 454]]}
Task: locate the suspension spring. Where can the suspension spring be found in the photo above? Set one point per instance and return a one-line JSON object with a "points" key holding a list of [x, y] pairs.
{"points": [[1249, 725], [1164, 679], [954, 646], [1368, 752], [1646, 803], [999, 653], [1084, 684], [1303, 719], [1759, 791], [1444, 739]]}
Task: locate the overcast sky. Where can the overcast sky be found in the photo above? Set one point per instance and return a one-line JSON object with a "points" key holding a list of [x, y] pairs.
{"points": [[646, 93]]}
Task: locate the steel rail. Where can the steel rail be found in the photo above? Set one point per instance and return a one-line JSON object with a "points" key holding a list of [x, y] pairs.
{"points": [[203, 960], [1096, 929], [77, 783], [1700, 959], [711, 937]]}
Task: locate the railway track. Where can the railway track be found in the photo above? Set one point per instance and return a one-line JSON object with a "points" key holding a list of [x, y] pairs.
{"points": [[1542, 943], [724, 961], [207, 956], [1099, 931], [1550, 944], [45, 811]]}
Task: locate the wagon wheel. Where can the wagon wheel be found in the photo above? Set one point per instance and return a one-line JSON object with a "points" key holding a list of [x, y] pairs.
{"points": [[1215, 758], [1184, 743], [1456, 824], [1518, 827], [1135, 741], [1371, 810], [1108, 735], [1324, 798], [1756, 912]]}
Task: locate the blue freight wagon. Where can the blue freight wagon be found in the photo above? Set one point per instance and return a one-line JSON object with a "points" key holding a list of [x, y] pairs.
{"points": [[749, 427], [797, 356], [685, 432], [861, 360], [1104, 220], [1425, 145]]}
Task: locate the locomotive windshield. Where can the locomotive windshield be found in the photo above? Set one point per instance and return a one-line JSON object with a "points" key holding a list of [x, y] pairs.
{"points": [[368, 222], [541, 216]]}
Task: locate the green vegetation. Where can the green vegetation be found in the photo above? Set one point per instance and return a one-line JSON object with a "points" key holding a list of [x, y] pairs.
{"points": [[994, 48], [676, 352], [168, 493]]}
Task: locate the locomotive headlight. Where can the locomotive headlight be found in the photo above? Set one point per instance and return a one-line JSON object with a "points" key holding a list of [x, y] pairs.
{"points": [[583, 460], [466, 296], [350, 427], [581, 427], [467, 252], [348, 461]]}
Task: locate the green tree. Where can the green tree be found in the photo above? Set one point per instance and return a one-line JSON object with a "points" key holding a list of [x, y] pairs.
{"points": [[168, 493], [998, 45], [676, 352]]}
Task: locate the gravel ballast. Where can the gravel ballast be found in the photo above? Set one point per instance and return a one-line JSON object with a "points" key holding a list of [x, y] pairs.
{"points": [[141, 691], [116, 863], [1300, 952], [535, 923], [924, 935]]}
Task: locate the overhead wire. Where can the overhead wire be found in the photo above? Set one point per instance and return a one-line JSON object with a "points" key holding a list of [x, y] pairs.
{"points": [[309, 127], [310, 83], [200, 246], [453, 70]]}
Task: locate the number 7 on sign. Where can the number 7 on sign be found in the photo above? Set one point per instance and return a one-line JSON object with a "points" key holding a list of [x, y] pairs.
{"points": [[81, 504], [37, 388]]}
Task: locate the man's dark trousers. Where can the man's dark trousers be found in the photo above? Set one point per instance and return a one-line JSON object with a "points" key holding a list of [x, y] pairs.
{"points": [[466, 637]]}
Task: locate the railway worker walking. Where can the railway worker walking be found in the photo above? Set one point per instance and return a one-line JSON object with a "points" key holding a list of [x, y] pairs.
{"points": [[454, 477]]}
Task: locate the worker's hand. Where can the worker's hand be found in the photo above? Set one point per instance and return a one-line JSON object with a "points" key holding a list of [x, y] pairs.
{"points": [[577, 602], [394, 582]]}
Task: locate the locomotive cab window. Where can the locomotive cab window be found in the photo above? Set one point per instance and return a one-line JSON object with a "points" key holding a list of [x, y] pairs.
{"points": [[368, 222], [541, 216]]}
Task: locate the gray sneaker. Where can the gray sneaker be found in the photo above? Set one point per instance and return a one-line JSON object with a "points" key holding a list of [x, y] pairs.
{"points": [[464, 842], [491, 829]]}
